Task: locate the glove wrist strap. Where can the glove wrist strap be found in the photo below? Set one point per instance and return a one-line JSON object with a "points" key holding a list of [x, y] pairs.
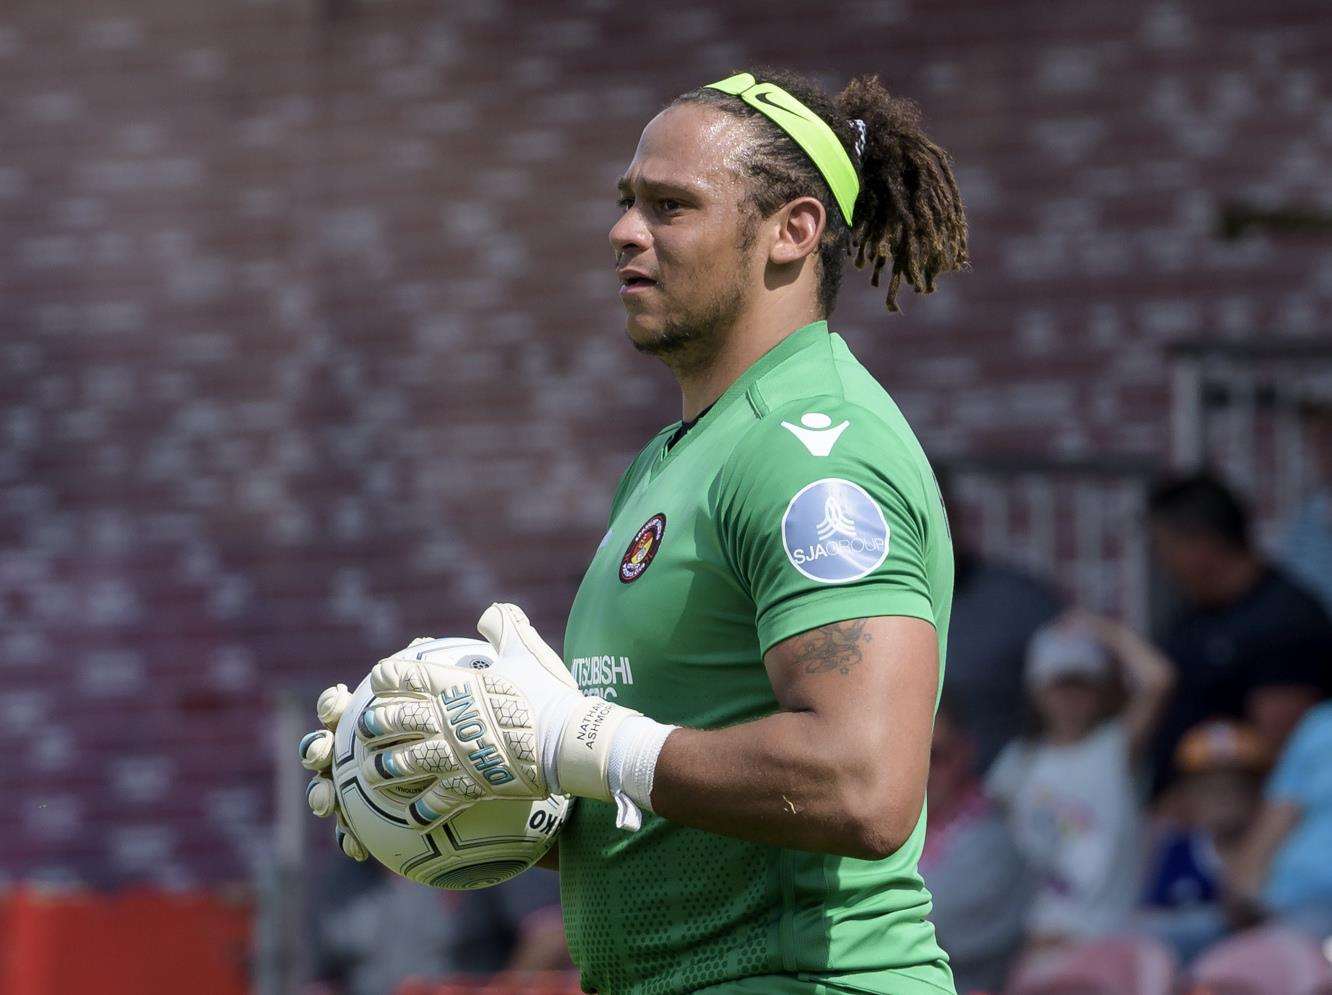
{"points": [[582, 757], [633, 766]]}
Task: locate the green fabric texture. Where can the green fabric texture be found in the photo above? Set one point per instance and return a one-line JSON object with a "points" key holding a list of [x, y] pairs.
{"points": [[802, 499], [806, 128]]}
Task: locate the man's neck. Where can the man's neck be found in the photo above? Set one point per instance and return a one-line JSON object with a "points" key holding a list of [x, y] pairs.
{"points": [[749, 338]]}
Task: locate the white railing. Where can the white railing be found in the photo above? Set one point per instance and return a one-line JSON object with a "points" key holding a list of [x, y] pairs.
{"points": [[1245, 409], [1076, 522]]}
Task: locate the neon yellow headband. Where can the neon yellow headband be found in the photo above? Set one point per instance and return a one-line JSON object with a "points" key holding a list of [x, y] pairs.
{"points": [[808, 130]]}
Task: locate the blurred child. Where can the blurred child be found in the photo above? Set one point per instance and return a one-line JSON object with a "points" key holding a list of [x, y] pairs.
{"points": [[1221, 766], [1096, 691]]}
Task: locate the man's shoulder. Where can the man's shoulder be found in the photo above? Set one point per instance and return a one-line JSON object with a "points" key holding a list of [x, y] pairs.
{"points": [[1286, 598], [822, 423], [823, 420], [1316, 724], [821, 436], [827, 368]]}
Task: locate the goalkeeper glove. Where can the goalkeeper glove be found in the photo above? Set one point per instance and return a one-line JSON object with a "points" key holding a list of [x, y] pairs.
{"points": [[317, 755], [521, 729]]}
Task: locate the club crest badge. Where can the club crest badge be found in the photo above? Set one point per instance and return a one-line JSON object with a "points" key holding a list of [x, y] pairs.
{"points": [[642, 548]]}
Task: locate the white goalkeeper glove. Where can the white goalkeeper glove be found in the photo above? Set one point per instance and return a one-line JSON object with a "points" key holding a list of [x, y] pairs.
{"points": [[521, 729], [317, 755]]}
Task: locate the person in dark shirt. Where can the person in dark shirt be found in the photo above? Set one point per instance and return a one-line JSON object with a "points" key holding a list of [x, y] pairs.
{"points": [[997, 608], [1250, 641]]}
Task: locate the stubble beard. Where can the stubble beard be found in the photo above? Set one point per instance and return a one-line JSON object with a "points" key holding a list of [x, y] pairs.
{"points": [[688, 342]]}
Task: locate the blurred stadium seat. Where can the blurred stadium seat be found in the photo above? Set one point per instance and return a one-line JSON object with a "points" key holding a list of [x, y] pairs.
{"points": [[1123, 965], [134, 943], [1267, 961]]}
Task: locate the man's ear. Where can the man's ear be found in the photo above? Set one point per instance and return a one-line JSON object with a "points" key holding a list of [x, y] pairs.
{"points": [[800, 226]]}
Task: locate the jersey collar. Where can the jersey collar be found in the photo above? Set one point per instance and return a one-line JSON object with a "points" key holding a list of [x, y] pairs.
{"points": [[802, 338]]}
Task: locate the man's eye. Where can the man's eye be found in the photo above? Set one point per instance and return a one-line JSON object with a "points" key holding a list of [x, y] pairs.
{"points": [[667, 205], [624, 203]]}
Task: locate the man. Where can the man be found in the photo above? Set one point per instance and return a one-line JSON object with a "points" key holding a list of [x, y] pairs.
{"points": [[764, 620], [1250, 642]]}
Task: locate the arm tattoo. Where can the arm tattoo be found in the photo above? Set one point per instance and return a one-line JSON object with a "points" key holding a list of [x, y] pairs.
{"points": [[833, 647]]}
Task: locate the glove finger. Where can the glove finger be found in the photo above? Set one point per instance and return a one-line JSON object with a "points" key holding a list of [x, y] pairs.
{"points": [[409, 762], [442, 802], [316, 750], [321, 796], [393, 718], [332, 703], [347, 841], [394, 675], [497, 626], [505, 627]]}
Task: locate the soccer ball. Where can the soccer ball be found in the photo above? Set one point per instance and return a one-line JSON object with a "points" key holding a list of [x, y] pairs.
{"points": [[481, 846]]}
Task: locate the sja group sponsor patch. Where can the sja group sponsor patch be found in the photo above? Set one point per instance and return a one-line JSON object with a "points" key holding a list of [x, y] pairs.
{"points": [[642, 548], [833, 531]]}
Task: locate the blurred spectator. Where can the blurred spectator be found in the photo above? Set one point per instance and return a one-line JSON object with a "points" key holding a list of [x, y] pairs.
{"points": [[996, 610], [971, 865], [1097, 690], [1285, 865], [1221, 766], [540, 945], [508, 926], [1306, 546], [376, 929], [1249, 636]]}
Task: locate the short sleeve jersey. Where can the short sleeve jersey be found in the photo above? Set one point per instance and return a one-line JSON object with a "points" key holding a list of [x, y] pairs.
{"points": [[801, 499]]}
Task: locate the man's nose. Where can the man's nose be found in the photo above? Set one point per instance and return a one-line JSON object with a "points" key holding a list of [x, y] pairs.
{"points": [[629, 233]]}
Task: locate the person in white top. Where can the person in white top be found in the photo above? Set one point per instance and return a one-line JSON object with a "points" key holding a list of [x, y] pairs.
{"points": [[1069, 790]]}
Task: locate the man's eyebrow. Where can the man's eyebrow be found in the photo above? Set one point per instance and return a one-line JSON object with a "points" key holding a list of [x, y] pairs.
{"points": [[658, 186]]}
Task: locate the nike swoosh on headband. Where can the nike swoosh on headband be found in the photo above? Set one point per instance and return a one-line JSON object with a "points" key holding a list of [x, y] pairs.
{"points": [[806, 129]]}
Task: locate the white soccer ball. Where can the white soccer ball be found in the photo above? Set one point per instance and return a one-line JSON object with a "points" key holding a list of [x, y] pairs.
{"points": [[480, 846]]}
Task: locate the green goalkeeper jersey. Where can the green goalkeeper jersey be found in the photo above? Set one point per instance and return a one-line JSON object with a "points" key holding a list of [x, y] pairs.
{"points": [[801, 499]]}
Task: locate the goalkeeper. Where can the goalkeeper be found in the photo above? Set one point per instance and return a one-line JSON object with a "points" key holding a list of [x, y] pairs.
{"points": [[754, 656]]}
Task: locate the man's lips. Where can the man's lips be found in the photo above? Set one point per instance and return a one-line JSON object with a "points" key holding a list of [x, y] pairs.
{"points": [[633, 282]]}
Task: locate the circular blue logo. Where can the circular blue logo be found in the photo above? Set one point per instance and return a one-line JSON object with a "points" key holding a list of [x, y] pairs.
{"points": [[833, 532]]}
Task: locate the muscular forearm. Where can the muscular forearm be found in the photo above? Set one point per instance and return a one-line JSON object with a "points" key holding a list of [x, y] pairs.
{"points": [[783, 780]]}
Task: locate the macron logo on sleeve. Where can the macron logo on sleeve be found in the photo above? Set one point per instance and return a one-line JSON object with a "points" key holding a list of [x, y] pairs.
{"points": [[817, 432]]}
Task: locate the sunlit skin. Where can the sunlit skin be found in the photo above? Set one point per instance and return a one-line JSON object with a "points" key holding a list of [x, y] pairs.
{"points": [[715, 305]]}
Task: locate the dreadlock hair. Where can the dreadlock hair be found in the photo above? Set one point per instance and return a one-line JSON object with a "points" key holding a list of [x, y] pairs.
{"points": [[908, 210]]}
